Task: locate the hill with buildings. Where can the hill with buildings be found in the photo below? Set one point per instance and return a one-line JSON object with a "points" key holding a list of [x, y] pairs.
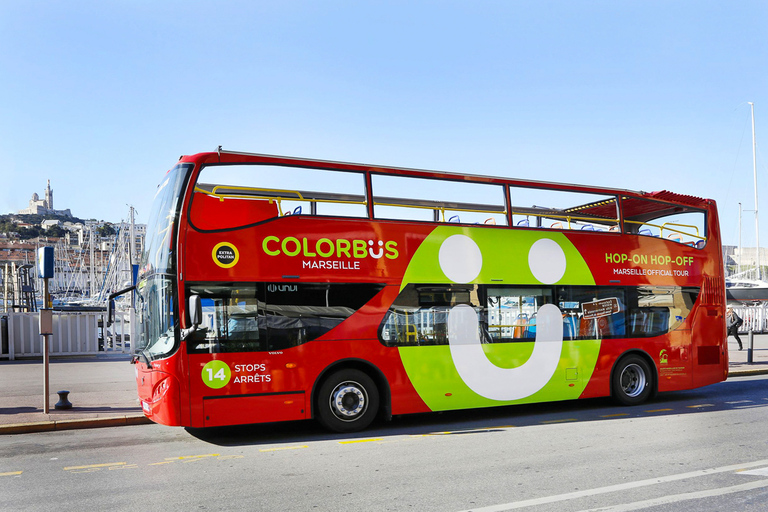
{"points": [[91, 256]]}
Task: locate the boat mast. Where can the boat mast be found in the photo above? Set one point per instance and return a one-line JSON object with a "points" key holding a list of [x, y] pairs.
{"points": [[754, 170], [131, 244], [739, 267], [92, 270]]}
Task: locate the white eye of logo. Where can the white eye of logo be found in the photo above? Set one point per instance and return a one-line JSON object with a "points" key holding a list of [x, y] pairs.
{"points": [[460, 259], [546, 260]]}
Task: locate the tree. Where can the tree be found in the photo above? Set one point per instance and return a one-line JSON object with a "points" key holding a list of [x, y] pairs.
{"points": [[7, 226], [106, 230], [30, 232], [56, 231]]}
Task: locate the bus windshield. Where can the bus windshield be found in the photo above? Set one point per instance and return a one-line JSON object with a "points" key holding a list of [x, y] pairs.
{"points": [[155, 288], [155, 315], [157, 255]]}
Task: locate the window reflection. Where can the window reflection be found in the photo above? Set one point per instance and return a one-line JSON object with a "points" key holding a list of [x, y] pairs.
{"points": [[508, 313], [254, 317]]}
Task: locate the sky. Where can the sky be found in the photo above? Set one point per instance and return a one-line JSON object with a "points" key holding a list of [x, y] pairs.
{"points": [[103, 97]]}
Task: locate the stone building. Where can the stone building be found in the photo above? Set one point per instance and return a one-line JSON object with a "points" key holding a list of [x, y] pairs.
{"points": [[39, 206]]}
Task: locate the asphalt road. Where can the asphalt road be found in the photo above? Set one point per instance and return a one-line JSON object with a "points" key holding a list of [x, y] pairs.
{"points": [[700, 450]]}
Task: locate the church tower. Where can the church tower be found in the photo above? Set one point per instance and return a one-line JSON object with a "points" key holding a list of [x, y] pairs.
{"points": [[48, 197]]}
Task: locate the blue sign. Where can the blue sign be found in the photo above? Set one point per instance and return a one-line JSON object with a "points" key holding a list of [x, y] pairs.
{"points": [[45, 262]]}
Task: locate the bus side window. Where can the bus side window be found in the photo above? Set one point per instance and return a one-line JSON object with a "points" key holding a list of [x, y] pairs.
{"points": [[243, 326], [233, 319]]}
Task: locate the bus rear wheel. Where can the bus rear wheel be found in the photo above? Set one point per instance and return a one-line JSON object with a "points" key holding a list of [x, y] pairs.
{"points": [[632, 381], [347, 401]]}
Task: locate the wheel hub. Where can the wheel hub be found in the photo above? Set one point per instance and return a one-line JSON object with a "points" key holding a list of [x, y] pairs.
{"points": [[348, 400], [633, 380]]}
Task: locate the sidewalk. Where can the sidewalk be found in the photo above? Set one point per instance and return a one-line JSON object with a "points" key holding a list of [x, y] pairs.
{"points": [[103, 389], [102, 392], [737, 359]]}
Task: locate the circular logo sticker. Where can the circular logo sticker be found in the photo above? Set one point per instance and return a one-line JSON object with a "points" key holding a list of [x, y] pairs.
{"points": [[216, 374], [225, 255]]}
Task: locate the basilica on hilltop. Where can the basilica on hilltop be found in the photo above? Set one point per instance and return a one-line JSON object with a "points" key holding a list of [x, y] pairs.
{"points": [[39, 206]]}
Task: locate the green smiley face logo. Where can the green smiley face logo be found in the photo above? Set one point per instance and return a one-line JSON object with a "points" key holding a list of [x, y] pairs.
{"points": [[467, 373]]}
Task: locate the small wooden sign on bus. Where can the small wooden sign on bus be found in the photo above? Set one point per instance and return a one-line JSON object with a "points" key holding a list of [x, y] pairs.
{"points": [[600, 308]]}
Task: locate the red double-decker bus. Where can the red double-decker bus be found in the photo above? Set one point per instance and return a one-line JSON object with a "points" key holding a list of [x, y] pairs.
{"points": [[277, 288]]}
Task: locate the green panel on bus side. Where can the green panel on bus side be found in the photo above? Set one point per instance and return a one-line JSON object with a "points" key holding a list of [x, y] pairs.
{"points": [[435, 378], [504, 258], [460, 254]]}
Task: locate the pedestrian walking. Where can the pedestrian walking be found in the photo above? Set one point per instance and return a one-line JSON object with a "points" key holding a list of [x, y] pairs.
{"points": [[734, 322]]}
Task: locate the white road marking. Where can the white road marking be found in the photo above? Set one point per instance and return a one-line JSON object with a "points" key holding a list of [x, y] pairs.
{"points": [[618, 487], [666, 500], [756, 472]]}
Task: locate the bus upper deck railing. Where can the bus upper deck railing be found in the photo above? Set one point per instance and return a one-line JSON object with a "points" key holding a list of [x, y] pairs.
{"points": [[279, 195], [561, 218], [664, 226]]}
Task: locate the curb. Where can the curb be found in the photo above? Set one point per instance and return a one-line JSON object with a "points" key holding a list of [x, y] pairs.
{"points": [[49, 426], [748, 372]]}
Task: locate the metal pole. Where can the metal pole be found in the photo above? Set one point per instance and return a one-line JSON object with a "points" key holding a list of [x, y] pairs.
{"points": [[740, 260], [92, 264], [46, 392], [131, 242], [6, 282], [754, 170], [750, 346]]}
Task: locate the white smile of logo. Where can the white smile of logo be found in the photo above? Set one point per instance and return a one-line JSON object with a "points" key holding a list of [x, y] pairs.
{"points": [[462, 258]]}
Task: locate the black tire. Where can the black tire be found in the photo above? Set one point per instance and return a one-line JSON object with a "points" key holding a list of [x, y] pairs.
{"points": [[632, 380], [347, 401]]}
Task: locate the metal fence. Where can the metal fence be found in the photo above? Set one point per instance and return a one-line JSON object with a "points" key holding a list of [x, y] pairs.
{"points": [[755, 318], [74, 333]]}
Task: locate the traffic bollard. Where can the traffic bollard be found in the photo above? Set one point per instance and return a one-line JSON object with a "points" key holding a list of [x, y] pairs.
{"points": [[63, 403]]}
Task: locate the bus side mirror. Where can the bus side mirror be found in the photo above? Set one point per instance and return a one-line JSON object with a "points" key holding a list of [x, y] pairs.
{"points": [[195, 310], [111, 303]]}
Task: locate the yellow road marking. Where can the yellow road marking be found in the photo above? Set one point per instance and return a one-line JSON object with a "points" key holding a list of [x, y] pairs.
{"points": [[700, 406], [128, 466], [11, 473], [560, 421], [659, 410], [283, 448], [186, 457], [468, 431], [361, 441], [94, 466], [614, 415], [161, 463]]}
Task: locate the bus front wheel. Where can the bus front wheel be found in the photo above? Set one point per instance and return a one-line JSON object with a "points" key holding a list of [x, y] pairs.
{"points": [[632, 380], [347, 401]]}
